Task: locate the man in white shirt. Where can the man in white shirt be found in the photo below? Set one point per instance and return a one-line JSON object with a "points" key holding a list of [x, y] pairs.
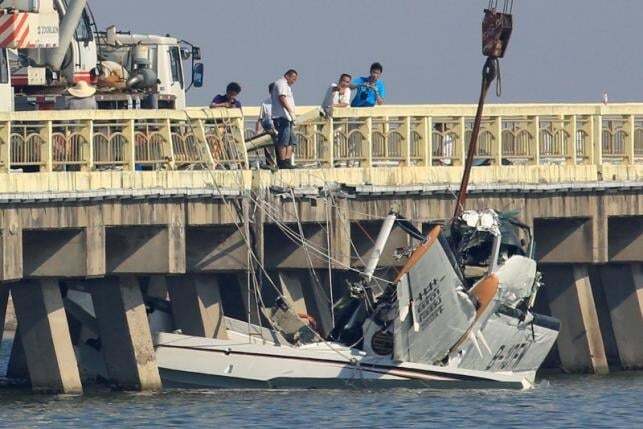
{"points": [[264, 122], [283, 116], [338, 94]]}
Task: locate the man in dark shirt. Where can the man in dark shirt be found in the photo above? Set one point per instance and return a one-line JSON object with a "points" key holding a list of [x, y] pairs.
{"points": [[229, 100]]}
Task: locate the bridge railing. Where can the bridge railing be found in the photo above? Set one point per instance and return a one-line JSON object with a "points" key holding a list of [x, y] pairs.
{"points": [[121, 140], [512, 134]]}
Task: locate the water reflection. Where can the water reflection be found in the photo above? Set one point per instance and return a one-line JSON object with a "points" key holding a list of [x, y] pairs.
{"points": [[560, 401]]}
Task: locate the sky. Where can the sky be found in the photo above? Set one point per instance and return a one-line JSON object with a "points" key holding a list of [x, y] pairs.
{"points": [[561, 50]]}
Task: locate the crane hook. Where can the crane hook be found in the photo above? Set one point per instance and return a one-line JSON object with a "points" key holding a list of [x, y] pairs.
{"points": [[497, 27]]}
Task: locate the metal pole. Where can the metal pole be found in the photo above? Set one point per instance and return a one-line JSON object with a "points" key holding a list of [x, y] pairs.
{"points": [[489, 72], [380, 243]]}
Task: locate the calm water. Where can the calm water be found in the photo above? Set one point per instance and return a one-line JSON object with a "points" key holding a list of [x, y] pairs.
{"points": [[562, 402]]}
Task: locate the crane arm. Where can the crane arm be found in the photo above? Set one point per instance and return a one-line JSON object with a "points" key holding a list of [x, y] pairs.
{"points": [[73, 15]]}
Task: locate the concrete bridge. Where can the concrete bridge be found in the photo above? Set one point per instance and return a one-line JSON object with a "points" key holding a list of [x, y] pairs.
{"points": [[125, 208]]}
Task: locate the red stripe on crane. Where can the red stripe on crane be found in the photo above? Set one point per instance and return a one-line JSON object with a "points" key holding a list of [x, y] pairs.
{"points": [[20, 17], [8, 23], [18, 29], [22, 40], [19, 80], [86, 76]]}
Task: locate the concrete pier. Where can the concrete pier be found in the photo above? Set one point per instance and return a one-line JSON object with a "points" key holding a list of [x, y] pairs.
{"points": [[580, 343], [125, 333], [4, 300], [249, 299], [319, 303], [308, 293], [17, 368], [10, 246], [197, 305], [293, 290], [192, 242], [623, 287], [44, 334]]}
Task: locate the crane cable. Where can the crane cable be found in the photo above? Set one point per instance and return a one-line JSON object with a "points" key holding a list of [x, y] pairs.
{"points": [[497, 27]]}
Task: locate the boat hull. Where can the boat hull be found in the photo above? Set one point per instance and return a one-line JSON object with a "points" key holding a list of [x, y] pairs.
{"points": [[209, 363]]}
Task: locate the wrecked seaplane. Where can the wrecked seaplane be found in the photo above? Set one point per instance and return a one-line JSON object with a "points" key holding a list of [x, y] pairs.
{"points": [[458, 314]]}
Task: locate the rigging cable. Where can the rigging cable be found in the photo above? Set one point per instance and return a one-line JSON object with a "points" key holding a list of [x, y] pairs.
{"points": [[350, 360], [312, 271], [497, 27]]}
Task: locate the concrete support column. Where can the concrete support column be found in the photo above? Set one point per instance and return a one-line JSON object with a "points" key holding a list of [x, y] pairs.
{"points": [[4, 299], [197, 306], [249, 299], [44, 333], [623, 287], [293, 290], [95, 242], [17, 368], [340, 234], [308, 295], [580, 343], [125, 333], [176, 238], [318, 301], [600, 228], [10, 246]]}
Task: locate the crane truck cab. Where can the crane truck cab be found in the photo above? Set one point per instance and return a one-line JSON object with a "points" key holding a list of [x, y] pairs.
{"points": [[42, 74], [152, 65]]}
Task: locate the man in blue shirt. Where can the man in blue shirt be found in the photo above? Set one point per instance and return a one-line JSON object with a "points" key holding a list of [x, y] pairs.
{"points": [[370, 91]]}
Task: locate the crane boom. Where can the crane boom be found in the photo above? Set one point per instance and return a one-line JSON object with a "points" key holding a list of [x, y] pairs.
{"points": [[73, 15]]}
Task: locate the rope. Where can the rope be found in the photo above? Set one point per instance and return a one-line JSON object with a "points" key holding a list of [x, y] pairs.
{"points": [[310, 261], [298, 239], [330, 268], [498, 78], [251, 252]]}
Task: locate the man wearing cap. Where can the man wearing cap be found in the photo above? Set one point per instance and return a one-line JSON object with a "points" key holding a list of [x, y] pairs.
{"points": [[81, 97]]}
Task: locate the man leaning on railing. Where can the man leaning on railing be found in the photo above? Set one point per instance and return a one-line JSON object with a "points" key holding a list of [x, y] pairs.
{"points": [[370, 90], [228, 100], [338, 94]]}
